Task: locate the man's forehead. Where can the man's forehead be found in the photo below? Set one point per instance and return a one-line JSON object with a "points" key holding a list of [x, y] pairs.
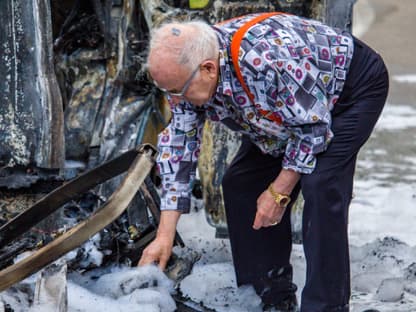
{"points": [[166, 73], [160, 61]]}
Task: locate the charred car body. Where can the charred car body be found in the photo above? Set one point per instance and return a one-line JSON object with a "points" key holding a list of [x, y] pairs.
{"points": [[74, 95]]}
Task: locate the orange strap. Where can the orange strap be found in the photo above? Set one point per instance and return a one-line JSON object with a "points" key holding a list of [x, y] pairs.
{"points": [[235, 47]]}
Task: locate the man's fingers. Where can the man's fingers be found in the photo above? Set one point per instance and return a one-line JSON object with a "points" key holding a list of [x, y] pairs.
{"points": [[163, 262], [264, 221], [149, 256], [145, 260], [258, 221]]}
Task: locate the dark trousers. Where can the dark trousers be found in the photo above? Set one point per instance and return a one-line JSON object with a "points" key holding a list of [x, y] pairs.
{"points": [[262, 255]]}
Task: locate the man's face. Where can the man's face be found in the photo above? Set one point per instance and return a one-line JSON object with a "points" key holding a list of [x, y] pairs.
{"points": [[195, 86]]}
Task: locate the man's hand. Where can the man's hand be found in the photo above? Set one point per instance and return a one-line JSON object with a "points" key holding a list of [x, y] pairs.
{"points": [[160, 249], [268, 212], [158, 252]]}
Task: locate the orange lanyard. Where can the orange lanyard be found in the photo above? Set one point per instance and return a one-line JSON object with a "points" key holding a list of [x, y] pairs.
{"points": [[235, 51], [235, 47]]}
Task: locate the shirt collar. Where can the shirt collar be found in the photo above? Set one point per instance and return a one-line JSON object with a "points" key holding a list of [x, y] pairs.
{"points": [[224, 76]]}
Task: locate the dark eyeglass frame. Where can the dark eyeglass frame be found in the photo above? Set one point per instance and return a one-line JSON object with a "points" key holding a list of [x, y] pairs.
{"points": [[184, 88]]}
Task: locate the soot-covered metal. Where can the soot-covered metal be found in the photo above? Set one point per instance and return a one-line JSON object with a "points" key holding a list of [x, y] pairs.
{"points": [[74, 95]]}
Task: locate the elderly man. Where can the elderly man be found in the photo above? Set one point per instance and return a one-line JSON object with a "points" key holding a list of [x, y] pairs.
{"points": [[306, 97]]}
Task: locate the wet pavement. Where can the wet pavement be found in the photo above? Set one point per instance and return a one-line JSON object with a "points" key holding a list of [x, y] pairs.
{"points": [[390, 154], [385, 182]]}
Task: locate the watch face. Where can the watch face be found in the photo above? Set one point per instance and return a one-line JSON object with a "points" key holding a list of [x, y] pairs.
{"points": [[284, 201]]}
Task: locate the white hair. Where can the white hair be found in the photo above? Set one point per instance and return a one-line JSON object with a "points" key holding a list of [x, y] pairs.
{"points": [[189, 42]]}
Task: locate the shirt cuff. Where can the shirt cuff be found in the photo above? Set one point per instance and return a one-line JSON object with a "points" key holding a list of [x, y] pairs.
{"points": [[175, 201], [303, 168]]}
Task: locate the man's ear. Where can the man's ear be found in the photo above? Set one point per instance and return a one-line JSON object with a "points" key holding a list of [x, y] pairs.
{"points": [[211, 67]]}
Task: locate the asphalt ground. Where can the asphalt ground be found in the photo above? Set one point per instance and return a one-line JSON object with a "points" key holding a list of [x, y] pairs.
{"points": [[393, 34], [389, 26]]}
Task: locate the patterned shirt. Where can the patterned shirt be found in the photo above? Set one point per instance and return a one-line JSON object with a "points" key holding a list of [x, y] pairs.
{"points": [[294, 67]]}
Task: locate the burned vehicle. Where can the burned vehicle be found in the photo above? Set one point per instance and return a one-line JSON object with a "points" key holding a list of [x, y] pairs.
{"points": [[75, 96]]}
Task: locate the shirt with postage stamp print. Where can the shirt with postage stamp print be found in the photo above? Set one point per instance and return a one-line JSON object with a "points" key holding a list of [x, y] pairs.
{"points": [[295, 69]]}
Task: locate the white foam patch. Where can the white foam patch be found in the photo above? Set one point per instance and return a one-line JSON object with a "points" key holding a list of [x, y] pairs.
{"points": [[136, 289], [214, 285], [382, 211], [411, 160], [397, 117], [405, 78], [378, 266], [82, 300]]}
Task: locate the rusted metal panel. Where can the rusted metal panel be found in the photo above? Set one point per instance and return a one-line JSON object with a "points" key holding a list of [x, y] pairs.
{"points": [[218, 150], [109, 104], [106, 106], [31, 115], [157, 11], [88, 80]]}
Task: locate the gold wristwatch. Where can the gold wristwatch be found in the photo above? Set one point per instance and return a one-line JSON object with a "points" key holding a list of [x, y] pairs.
{"points": [[281, 199]]}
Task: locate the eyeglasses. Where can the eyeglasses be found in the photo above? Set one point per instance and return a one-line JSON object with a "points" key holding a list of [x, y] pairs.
{"points": [[175, 92]]}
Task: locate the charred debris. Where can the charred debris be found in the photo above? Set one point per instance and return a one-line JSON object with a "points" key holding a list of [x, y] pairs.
{"points": [[74, 95]]}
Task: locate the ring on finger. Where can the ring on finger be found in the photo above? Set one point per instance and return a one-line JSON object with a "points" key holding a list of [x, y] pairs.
{"points": [[273, 223]]}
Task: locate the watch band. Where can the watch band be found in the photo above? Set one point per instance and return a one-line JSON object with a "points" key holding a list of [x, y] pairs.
{"points": [[281, 199]]}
